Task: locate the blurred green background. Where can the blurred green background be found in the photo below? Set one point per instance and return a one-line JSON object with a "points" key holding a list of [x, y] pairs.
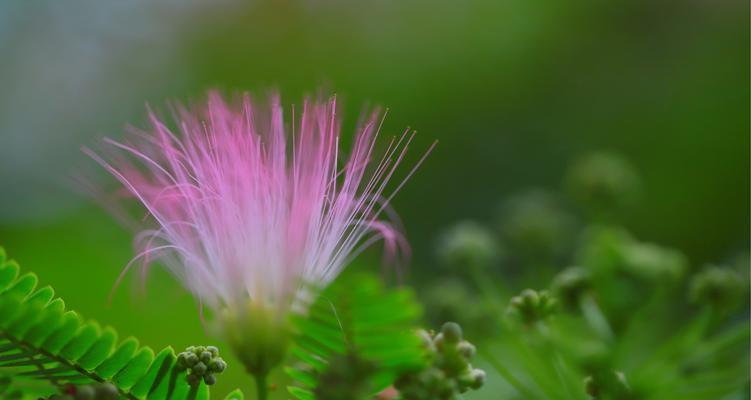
{"points": [[514, 90]]}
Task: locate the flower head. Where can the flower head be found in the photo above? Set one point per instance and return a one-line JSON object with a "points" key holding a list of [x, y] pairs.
{"points": [[243, 208]]}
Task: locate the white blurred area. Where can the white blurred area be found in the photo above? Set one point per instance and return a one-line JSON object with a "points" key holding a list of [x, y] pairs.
{"points": [[72, 71]]}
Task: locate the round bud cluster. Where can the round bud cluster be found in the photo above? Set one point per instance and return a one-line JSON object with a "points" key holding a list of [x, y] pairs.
{"points": [[202, 363], [535, 226], [532, 306], [449, 373], [468, 244], [603, 182], [570, 284], [607, 385], [718, 287], [94, 391]]}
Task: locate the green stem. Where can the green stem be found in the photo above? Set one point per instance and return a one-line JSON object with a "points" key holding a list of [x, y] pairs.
{"points": [[555, 358], [488, 291], [262, 387], [595, 317], [508, 376], [62, 361]]}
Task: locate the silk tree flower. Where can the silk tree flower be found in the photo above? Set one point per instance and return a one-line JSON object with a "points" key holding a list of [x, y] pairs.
{"points": [[246, 212]]}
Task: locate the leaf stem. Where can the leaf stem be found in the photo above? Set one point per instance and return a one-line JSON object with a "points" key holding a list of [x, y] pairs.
{"points": [[62, 361], [488, 291], [262, 386], [595, 317], [508, 376]]}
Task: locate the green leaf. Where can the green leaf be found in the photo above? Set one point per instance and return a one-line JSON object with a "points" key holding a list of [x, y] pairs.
{"points": [[302, 377], [43, 295], [10, 307], [23, 321], [8, 275], [23, 286], [41, 341], [201, 392], [301, 394], [119, 359], [156, 382], [135, 369], [84, 339], [51, 318], [100, 350], [64, 333], [356, 315], [235, 395]]}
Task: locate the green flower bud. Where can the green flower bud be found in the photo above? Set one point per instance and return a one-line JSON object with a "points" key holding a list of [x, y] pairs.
{"points": [[532, 306], [433, 377], [478, 379], [467, 349], [468, 244], [449, 373], [200, 368], [438, 341], [603, 182], [258, 335], [452, 332], [202, 362], [465, 380], [535, 226], [425, 337], [217, 365], [452, 362], [182, 362], [191, 359]]}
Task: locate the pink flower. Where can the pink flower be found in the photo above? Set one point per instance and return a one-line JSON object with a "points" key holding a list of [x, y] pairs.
{"points": [[242, 208]]}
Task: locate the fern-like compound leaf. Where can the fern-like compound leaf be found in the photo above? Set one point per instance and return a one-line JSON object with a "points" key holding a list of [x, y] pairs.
{"points": [[46, 347], [235, 395], [356, 315]]}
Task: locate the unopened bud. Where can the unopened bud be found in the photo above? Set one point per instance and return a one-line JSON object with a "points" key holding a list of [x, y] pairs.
{"points": [[452, 332], [467, 349]]}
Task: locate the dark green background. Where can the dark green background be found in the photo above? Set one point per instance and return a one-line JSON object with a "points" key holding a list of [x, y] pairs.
{"points": [[514, 90]]}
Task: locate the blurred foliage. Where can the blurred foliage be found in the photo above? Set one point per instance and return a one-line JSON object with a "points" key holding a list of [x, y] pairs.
{"points": [[602, 183], [623, 320], [513, 90], [536, 227], [449, 372]]}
